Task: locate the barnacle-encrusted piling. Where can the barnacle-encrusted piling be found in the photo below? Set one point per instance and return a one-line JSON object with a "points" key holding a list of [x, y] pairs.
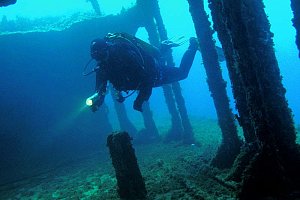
{"points": [[272, 172], [131, 185], [188, 134], [157, 32], [230, 146], [295, 4]]}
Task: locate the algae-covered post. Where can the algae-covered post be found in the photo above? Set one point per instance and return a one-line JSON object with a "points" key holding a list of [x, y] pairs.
{"points": [[277, 133], [273, 172], [238, 89], [230, 146], [179, 122], [130, 182], [7, 2], [150, 133], [295, 4], [96, 6], [188, 134], [151, 27]]}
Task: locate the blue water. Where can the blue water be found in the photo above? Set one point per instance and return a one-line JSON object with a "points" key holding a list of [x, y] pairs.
{"points": [[43, 92]]}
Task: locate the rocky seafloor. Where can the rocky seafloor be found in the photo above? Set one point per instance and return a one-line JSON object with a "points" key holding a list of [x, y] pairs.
{"points": [[170, 170]]}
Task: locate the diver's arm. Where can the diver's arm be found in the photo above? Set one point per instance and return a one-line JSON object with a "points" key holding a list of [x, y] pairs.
{"points": [[100, 89], [144, 95], [101, 82]]}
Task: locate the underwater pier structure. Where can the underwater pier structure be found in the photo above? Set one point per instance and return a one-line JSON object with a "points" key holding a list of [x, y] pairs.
{"points": [[272, 171], [295, 4], [181, 129], [96, 6], [230, 146], [131, 185], [7, 2]]}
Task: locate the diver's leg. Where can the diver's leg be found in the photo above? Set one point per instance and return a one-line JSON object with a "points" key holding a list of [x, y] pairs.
{"points": [[173, 74], [144, 95]]}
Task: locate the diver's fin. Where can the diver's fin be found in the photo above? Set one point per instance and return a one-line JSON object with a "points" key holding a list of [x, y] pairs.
{"points": [[174, 42]]}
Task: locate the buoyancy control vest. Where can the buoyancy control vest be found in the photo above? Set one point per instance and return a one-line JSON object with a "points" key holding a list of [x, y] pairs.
{"points": [[132, 73], [136, 42]]}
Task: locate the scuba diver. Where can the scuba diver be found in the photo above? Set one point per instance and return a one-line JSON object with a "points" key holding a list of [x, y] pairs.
{"points": [[129, 63]]}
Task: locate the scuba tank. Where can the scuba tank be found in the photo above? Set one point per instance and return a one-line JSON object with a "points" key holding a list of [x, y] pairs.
{"points": [[138, 43]]}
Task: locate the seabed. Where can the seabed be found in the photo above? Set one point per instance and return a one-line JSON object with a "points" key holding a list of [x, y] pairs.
{"points": [[170, 170]]}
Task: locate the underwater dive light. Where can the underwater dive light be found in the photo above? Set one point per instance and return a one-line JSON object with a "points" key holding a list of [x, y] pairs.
{"points": [[92, 99]]}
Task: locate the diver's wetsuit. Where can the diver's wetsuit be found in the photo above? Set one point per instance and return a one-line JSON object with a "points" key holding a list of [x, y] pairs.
{"points": [[129, 69]]}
